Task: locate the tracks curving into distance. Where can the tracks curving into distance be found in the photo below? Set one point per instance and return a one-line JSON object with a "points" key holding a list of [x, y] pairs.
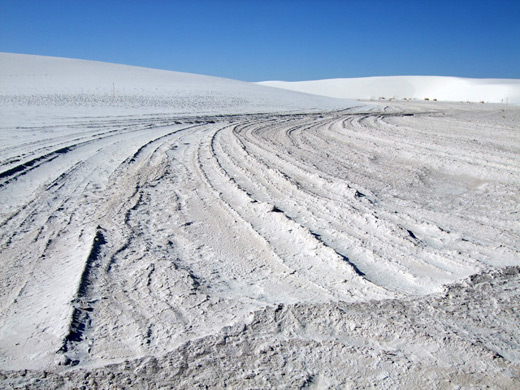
{"points": [[125, 237]]}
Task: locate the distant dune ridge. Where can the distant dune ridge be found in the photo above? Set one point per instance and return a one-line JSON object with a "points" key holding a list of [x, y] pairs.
{"points": [[85, 83], [410, 87]]}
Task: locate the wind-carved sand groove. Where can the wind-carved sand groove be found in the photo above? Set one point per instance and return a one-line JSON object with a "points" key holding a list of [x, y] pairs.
{"points": [[153, 237]]}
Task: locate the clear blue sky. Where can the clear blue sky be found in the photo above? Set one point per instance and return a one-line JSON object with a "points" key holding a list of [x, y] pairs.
{"points": [[275, 40]]}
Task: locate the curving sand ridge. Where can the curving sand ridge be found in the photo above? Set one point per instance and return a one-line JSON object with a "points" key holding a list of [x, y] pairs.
{"points": [[410, 87], [326, 248]]}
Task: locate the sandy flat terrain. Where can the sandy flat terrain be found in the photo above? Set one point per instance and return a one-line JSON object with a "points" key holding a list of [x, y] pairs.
{"points": [[371, 246]]}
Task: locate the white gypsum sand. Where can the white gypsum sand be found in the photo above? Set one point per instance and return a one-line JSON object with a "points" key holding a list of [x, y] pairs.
{"points": [[247, 244], [61, 88], [457, 89]]}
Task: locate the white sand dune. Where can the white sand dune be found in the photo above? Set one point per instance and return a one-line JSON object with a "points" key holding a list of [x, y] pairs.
{"points": [[196, 232], [91, 88], [410, 87]]}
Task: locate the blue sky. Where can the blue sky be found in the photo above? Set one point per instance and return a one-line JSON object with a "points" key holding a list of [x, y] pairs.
{"points": [[275, 40]]}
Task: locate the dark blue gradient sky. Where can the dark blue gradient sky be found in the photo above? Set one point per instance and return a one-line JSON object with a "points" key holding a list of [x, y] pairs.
{"points": [[275, 40]]}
